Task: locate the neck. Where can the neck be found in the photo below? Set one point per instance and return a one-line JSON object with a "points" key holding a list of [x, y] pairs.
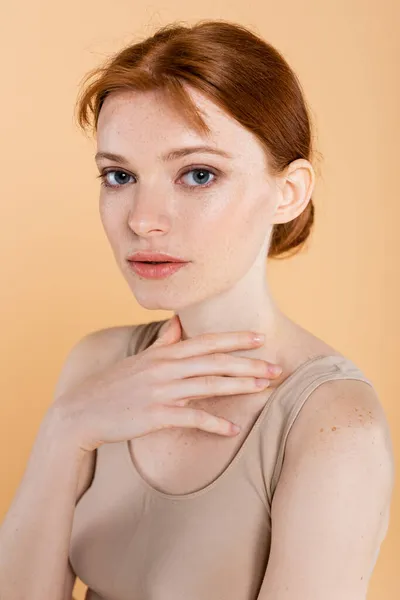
{"points": [[248, 306]]}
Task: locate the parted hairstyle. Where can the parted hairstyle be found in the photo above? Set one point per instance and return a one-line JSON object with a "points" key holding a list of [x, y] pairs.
{"points": [[237, 70]]}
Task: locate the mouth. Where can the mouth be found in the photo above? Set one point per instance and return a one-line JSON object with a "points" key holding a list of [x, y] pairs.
{"points": [[154, 257], [155, 270]]}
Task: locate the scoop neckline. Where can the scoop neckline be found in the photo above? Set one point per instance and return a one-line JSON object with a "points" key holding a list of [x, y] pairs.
{"points": [[156, 492]]}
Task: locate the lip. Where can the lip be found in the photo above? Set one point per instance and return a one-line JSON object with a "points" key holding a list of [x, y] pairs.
{"points": [[161, 271], [154, 256]]}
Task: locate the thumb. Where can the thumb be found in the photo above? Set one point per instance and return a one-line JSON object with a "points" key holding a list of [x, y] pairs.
{"points": [[170, 332]]}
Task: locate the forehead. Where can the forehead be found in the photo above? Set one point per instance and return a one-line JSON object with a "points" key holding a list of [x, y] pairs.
{"points": [[137, 121]]}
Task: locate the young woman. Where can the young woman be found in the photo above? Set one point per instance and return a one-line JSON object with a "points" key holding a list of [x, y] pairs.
{"points": [[138, 482]]}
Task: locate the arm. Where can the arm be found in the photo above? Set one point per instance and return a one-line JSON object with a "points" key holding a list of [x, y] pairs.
{"points": [[35, 534], [330, 510]]}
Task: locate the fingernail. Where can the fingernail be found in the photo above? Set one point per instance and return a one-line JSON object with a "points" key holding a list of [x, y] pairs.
{"points": [[262, 382], [275, 369], [258, 337]]}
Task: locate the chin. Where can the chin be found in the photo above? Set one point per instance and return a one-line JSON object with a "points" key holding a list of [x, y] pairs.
{"points": [[167, 299], [158, 300], [174, 293]]}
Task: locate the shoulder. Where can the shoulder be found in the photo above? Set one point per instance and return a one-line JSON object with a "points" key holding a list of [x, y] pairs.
{"points": [[334, 491], [94, 351], [105, 346], [117, 338], [343, 428], [109, 343], [339, 408]]}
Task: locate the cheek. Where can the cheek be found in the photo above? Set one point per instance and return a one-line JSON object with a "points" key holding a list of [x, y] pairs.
{"points": [[105, 216], [230, 232], [111, 220]]}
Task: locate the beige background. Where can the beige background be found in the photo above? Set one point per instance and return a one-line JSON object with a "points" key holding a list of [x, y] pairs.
{"points": [[59, 279]]}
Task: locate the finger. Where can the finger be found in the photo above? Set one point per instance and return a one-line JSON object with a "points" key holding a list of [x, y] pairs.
{"points": [[195, 418], [208, 343], [217, 364], [210, 385]]}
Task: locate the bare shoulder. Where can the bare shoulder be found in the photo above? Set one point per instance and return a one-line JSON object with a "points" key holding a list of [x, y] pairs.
{"points": [[335, 491], [343, 416], [92, 352], [95, 351], [342, 403]]}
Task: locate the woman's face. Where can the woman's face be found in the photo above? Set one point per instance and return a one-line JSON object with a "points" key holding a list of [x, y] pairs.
{"points": [[211, 210]]}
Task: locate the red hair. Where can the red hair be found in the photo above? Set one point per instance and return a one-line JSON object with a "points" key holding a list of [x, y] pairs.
{"points": [[237, 70]]}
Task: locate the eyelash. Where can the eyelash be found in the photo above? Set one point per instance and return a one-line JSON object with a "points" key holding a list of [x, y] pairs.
{"points": [[104, 174]]}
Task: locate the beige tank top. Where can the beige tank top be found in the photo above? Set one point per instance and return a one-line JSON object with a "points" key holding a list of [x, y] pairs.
{"points": [[131, 541]]}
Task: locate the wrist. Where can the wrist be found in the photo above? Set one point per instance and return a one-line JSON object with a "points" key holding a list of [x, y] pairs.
{"points": [[58, 427]]}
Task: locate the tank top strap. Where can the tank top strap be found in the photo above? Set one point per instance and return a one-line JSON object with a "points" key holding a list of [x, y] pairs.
{"points": [[287, 403], [144, 334]]}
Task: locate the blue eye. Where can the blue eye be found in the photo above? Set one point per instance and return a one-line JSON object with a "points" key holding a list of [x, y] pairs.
{"points": [[203, 174], [123, 177], [104, 181]]}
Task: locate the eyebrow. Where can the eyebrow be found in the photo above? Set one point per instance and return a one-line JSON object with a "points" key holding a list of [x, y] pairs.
{"points": [[171, 155]]}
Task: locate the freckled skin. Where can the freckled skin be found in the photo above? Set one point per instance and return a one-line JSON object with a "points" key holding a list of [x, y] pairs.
{"points": [[223, 230]]}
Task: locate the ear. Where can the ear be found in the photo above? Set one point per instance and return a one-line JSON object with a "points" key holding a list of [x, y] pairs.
{"points": [[295, 188]]}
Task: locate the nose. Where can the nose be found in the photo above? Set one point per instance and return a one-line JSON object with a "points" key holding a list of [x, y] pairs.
{"points": [[148, 215]]}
